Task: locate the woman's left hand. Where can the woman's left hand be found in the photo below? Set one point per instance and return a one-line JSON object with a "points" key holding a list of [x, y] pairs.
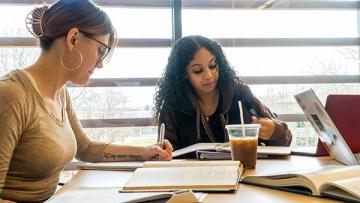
{"points": [[155, 152], [267, 127]]}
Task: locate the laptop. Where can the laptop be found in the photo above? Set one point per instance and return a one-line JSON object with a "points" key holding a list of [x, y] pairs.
{"points": [[344, 111], [325, 128]]}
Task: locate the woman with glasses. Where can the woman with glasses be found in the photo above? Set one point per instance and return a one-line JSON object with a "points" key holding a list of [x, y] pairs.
{"points": [[198, 95], [39, 130]]}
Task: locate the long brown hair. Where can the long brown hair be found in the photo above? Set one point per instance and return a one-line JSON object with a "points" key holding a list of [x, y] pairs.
{"points": [[84, 15]]}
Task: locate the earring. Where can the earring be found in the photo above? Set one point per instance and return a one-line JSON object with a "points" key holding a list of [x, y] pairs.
{"points": [[69, 66]]}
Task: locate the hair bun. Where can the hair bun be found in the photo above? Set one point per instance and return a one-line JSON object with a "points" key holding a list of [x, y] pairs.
{"points": [[33, 21]]}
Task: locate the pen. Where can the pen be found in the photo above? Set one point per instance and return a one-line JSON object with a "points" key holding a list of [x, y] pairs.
{"points": [[254, 113], [161, 135]]}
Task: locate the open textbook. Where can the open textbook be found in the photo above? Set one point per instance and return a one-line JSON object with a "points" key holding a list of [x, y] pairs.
{"points": [[225, 147], [186, 175], [342, 182]]}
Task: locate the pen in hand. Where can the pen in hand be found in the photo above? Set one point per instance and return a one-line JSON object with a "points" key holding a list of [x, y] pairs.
{"points": [[160, 140], [254, 113], [161, 135]]}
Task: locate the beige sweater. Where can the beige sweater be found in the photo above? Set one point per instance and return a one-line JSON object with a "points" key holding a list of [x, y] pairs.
{"points": [[34, 145]]}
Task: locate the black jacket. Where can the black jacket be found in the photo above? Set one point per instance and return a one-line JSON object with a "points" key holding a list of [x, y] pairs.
{"points": [[187, 125]]}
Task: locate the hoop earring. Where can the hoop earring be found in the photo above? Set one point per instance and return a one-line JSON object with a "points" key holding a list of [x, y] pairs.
{"points": [[70, 67]]}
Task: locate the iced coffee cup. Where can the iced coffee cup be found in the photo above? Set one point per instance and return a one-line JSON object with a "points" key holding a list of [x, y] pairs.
{"points": [[244, 145]]}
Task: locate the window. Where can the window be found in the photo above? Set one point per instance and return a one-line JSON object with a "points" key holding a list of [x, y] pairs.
{"points": [[284, 40], [140, 22], [280, 49], [269, 23], [136, 62], [14, 25]]}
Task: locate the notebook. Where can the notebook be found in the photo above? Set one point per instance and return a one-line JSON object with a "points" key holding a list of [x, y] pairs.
{"points": [[325, 128], [344, 111], [191, 150]]}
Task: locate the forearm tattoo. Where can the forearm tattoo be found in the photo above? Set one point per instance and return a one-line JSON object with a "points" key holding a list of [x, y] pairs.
{"points": [[122, 157], [135, 158]]}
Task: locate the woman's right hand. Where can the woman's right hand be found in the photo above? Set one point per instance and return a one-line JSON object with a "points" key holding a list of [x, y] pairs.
{"points": [[155, 152]]}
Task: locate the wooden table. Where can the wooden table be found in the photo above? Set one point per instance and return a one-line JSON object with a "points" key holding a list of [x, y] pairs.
{"points": [[103, 186]]}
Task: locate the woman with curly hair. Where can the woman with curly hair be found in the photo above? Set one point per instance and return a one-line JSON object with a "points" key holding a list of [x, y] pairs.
{"points": [[198, 95]]}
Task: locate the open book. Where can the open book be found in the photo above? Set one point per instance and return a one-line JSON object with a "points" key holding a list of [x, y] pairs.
{"points": [[186, 175], [225, 147], [342, 182]]}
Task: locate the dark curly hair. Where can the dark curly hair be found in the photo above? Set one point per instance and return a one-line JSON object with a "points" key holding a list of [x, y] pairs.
{"points": [[172, 85]]}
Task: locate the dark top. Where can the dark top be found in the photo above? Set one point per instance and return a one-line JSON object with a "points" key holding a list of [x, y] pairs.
{"points": [[215, 125]]}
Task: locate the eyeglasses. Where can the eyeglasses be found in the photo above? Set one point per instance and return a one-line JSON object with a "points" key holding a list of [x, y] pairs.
{"points": [[105, 51]]}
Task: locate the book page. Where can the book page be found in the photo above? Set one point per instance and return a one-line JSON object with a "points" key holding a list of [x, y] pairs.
{"points": [[283, 181], [349, 185], [307, 179], [332, 173], [185, 163], [175, 178]]}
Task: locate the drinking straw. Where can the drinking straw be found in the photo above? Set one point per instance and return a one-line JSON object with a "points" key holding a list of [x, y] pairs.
{"points": [[241, 118]]}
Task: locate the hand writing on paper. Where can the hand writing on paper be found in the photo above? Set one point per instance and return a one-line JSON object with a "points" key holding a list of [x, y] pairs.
{"points": [[155, 152], [267, 127]]}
